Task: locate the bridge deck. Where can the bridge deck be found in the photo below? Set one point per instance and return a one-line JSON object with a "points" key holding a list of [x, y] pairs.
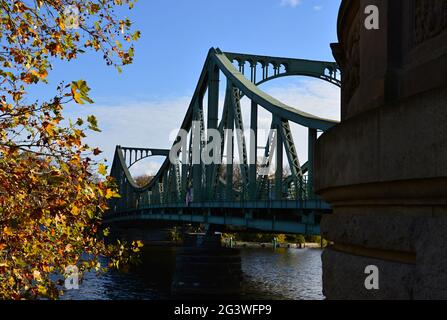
{"points": [[273, 216]]}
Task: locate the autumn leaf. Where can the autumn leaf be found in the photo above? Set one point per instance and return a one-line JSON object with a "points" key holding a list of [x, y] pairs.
{"points": [[93, 123], [136, 35], [96, 151], [112, 194], [75, 211], [49, 128], [79, 91], [7, 231], [102, 169]]}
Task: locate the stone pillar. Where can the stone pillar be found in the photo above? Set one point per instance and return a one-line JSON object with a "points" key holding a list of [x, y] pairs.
{"points": [[384, 168]]}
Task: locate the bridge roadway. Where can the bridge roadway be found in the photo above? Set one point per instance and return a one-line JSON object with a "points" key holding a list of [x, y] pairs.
{"points": [[272, 216]]}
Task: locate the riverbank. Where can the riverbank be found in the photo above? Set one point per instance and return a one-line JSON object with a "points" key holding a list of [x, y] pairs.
{"points": [[242, 244]]}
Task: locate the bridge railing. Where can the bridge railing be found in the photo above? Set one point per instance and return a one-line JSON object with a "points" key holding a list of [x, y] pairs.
{"points": [[216, 206]]}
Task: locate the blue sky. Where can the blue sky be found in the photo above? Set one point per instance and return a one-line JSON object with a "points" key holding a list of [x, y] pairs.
{"points": [[148, 100]]}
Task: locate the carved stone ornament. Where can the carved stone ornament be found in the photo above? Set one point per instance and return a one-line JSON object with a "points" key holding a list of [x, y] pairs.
{"points": [[430, 19]]}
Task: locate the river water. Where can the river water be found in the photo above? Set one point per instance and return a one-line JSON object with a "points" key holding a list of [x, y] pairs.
{"points": [[286, 274]]}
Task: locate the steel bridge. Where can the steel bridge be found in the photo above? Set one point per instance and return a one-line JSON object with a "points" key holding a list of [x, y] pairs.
{"points": [[189, 189]]}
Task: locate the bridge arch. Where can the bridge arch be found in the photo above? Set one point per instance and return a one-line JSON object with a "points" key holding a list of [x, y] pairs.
{"points": [[285, 67]]}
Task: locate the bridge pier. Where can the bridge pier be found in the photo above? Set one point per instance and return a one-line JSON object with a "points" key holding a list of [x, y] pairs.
{"points": [[151, 234], [383, 169], [205, 268]]}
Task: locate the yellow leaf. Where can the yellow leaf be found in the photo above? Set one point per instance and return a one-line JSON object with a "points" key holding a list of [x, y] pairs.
{"points": [[102, 169], [111, 194], [42, 74], [79, 91], [50, 129], [42, 290], [7, 231], [76, 96], [64, 167], [75, 211]]}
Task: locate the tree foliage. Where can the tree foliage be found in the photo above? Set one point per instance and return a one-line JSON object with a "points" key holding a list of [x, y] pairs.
{"points": [[143, 180], [51, 204]]}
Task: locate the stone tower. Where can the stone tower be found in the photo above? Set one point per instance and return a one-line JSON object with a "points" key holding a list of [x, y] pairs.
{"points": [[384, 168]]}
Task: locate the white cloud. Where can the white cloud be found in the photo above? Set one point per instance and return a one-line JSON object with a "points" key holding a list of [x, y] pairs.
{"points": [[290, 3], [150, 123], [145, 167], [318, 8], [312, 96], [145, 124]]}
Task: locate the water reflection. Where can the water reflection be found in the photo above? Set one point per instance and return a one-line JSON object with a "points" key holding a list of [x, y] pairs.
{"points": [[281, 274]]}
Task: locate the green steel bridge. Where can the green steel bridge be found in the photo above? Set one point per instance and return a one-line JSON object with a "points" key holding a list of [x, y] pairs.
{"points": [[188, 189]]}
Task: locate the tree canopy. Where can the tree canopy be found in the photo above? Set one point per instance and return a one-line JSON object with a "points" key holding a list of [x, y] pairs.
{"points": [[51, 204]]}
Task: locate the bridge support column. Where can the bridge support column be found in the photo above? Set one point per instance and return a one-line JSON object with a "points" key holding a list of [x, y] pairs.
{"points": [[213, 116], [196, 136], [279, 159], [165, 188], [230, 147], [384, 168], [311, 157], [213, 97], [253, 150]]}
